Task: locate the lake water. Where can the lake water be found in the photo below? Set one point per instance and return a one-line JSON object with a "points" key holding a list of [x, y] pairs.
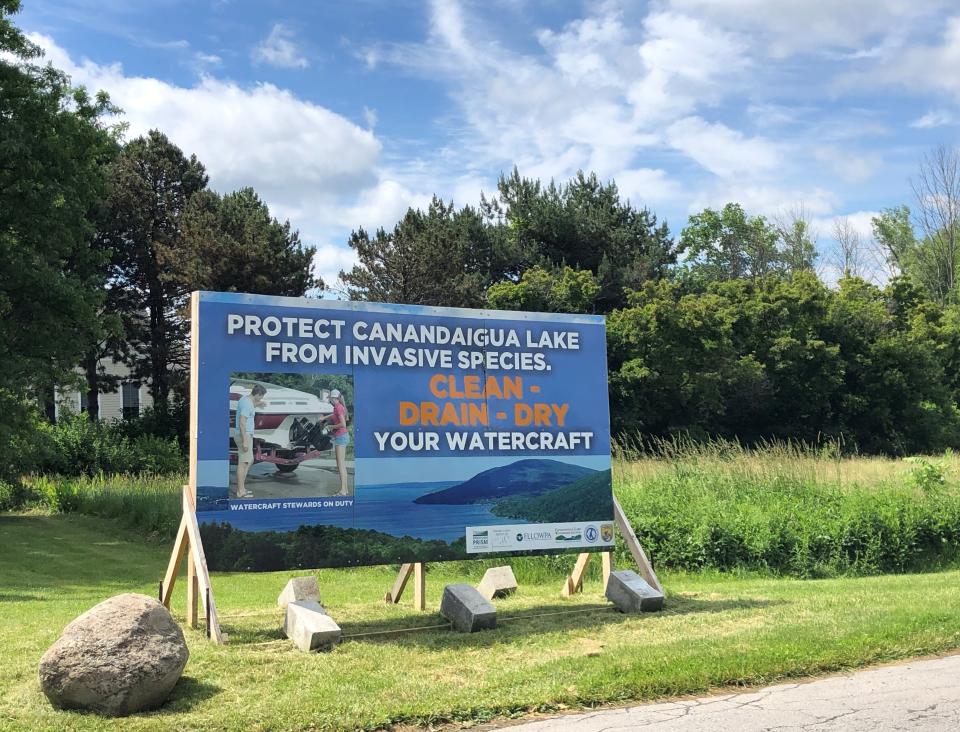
{"points": [[386, 508]]}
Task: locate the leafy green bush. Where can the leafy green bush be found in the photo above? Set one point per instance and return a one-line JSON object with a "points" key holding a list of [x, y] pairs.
{"points": [[77, 446], [56, 493], [8, 497], [927, 475], [166, 421]]}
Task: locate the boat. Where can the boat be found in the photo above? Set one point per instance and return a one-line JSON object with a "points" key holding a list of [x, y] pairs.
{"points": [[286, 429]]}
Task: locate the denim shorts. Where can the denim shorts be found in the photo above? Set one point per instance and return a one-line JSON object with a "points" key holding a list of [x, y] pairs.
{"points": [[343, 440]]}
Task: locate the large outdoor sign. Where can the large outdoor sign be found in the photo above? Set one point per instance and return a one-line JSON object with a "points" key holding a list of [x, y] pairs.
{"points": [[337, 433]]}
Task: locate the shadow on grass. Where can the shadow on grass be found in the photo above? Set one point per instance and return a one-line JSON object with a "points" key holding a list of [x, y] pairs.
{"points": [[187, 694], [56, 552], [15, 597], [680, 605], [431, 629]]}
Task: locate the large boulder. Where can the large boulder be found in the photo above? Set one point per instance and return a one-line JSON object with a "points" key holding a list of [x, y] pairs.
{"points": [[120, 657]]}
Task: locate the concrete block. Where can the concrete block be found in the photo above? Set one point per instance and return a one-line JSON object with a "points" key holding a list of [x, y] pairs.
{"points": [[299, 589], [309, 627], [497, 582], [631, 593], [467, 609]]}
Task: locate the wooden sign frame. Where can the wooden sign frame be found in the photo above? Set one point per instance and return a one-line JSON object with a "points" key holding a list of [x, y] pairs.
{"points": [[188, 543]]}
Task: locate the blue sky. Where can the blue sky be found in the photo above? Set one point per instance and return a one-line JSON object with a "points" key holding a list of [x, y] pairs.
{"points": [[342, 114]]}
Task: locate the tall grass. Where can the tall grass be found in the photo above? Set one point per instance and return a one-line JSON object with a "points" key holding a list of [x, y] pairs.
{"points": [[789, 508], [149, 504]]}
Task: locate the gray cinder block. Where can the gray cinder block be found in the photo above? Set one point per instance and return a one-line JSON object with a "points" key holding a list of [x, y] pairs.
{"points": [[309, 627], [467, 609], [631, 593], [497, 582], [299, 589]]}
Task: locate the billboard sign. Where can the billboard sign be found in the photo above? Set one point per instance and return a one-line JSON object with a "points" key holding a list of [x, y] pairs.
{"points": [[332, 433]]}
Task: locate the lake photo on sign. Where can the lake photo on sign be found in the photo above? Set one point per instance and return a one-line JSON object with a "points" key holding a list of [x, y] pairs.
{"points": [[343, 434]]}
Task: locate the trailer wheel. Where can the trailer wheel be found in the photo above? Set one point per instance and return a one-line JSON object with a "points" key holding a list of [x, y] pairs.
{"points": [[287, 468]]}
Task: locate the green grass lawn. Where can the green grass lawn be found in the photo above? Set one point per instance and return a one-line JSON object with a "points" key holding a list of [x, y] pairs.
{"points": [[716, 630]]}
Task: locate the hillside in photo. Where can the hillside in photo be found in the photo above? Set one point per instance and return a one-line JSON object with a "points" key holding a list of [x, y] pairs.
{"points": [[522, 478], [589, 499]]}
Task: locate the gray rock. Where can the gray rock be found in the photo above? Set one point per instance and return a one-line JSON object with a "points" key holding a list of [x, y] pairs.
{"points": [[497, 582], [120, 657], [309, 627], [631, 593], [299, 589], [467, 609]]}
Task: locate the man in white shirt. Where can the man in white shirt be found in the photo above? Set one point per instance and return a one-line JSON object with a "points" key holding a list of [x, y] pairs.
{"points": [[246, 417]]}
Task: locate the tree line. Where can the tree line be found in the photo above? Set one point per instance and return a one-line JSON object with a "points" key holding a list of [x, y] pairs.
{"points": [[728, 329]]}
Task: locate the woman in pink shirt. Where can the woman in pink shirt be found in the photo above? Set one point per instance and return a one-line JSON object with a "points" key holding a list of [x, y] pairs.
{"points": [[341, 437]]}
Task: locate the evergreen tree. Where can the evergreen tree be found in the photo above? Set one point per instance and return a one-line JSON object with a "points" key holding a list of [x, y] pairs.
{"points": [[441, 256], [582, 224], [153, 183], [232, 243]]}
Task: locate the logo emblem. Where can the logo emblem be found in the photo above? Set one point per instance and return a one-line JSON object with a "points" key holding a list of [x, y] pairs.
{"points": [[591, 534], [606, 532], [519, 537]]}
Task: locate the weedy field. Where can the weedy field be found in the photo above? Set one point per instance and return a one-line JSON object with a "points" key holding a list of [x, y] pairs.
{"points": [[776, 564]]}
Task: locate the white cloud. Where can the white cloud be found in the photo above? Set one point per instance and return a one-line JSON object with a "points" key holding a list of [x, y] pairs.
{"points": [[311, 165], [383, 205], [647, 186], [207, 59], [860, 221], [933, 118], [598, 93], [280, 49], [767, 200], [849, 165], [922, 66], [330, 260], [787, 27], [721, 150], [289, 149]]}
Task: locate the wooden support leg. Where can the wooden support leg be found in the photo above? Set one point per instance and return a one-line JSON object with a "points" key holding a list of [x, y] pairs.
{"points": [[180, 547], [193, 593], [199, 582], [607, 568], [399, 584], [574, 582], [633, 544], [419, 586]]}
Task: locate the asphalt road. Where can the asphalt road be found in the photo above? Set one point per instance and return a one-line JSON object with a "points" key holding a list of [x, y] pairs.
{"points": [[919, 695], [311, 479]]}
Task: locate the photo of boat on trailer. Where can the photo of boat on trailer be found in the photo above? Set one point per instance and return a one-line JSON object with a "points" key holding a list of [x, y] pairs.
{"points": [[287, 426]]}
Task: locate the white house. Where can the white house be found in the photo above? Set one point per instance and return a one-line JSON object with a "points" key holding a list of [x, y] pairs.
{"points": [[129, 400]]}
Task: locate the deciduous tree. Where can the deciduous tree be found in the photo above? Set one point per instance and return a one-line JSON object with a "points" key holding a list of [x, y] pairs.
{"points": [[54, 144]]}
